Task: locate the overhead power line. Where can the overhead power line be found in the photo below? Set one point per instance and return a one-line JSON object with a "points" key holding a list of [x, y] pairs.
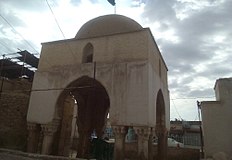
{"points": [[57, 23], [4, 45], [176, 109], [18, 33], [49, 89], [55, 19]]}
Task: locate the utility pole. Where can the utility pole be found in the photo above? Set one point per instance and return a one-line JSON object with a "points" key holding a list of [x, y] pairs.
{"points": [[201, 134], [24, 59], [1, 69]]}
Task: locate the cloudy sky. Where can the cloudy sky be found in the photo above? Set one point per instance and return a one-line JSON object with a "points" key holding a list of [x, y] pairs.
{"points": [[194, 36]]}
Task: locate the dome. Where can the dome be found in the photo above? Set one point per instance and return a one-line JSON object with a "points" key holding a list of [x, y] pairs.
{"points": [[107, 25]]}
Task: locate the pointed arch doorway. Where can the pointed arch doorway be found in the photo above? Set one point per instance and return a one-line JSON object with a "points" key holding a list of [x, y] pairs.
{"points": [[161, 131], [92, 103]]}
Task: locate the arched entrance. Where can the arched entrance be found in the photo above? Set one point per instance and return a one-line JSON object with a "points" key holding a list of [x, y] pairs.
{"points": [[92, 103], [161, 130]]}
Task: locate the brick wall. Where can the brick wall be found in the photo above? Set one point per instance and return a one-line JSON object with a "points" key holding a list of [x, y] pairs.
{"points": [[14, 101]]}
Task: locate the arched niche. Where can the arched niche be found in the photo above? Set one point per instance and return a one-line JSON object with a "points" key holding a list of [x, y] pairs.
{"points": [[160, 110], [88, 51], [161, 131]]}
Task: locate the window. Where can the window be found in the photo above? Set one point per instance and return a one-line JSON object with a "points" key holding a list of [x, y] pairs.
{"points": [[87, 56]]}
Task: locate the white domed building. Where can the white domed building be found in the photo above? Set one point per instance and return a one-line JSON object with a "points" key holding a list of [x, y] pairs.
{"points": [[112, 66]]}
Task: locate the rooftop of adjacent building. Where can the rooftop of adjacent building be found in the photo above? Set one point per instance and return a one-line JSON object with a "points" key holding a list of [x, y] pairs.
{"points": [[191, 126], [227, 80]]}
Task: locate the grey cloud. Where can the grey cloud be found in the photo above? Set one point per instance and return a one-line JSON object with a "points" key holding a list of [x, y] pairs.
{"points": [[178, 68], [183, 90], [11, 17], [178, 88], [13, 46], [31, 5], [187, 80], [204, 23], [196, 45], [161, 11], [156, 10], [183, 52], [216, 70], [202, 93]]}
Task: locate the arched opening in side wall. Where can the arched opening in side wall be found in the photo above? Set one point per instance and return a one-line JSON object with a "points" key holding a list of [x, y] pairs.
{"points": [[83, 108], [161, 130]]}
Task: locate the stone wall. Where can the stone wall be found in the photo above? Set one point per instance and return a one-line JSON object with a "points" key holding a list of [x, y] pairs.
{"points": [[14, 101]]}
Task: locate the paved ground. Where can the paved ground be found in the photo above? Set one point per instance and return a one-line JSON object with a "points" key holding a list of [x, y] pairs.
{"points": [[8, 156]]}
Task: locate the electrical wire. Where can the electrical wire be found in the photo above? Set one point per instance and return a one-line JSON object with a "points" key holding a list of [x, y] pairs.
{"points": [[48, 89], [68, 88], [55, 19], [57, 23], [18, 33], [4, 45], [176, 109]]}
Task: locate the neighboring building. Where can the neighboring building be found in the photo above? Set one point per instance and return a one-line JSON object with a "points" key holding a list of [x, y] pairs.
{"points": [[186, 132], [216, 120], [14, 100], [15, 88], [18, 65]]}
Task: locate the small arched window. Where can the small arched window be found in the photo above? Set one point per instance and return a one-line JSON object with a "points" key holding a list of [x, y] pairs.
{"points": [[87, 56]]}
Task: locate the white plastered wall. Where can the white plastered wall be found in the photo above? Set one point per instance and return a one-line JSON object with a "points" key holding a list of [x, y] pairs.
{"points": [[124, 68], [157, 82], [216, 120]]}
